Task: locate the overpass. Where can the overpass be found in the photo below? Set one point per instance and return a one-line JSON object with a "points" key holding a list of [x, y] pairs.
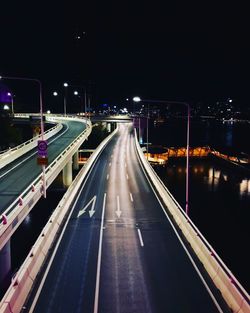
{"points": [[22, 179], [119, 242]]}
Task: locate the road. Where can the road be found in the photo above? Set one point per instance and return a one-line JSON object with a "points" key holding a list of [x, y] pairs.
{"points": [[118, 251], [16, 176]]}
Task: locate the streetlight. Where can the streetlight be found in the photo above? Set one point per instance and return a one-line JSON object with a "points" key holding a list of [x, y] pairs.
{"points": [[64, 98], [6, 107], [138, 99], [41, 115], [12, 106]]}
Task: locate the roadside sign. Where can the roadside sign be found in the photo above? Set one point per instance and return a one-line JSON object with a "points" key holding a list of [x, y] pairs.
{"points": [[42, 161], [42, 146]]}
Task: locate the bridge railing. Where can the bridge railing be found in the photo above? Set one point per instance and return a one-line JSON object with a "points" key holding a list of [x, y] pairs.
{"points": [[21, 285], [20, 207], [234, 294], [7, 156]]}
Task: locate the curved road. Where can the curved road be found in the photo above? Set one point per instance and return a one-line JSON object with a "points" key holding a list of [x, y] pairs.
{"points": [[16, 176], [118, 251]]}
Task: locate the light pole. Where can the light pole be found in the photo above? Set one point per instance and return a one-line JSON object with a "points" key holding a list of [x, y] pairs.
{"points": [[64, 98], [41, 115], [12, 104], [76, 93], [138, 99]]}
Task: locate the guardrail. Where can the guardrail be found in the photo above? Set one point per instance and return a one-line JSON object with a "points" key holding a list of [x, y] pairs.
{"points": [[234, 294], [21, 285], [7, 156], [16, 212]]}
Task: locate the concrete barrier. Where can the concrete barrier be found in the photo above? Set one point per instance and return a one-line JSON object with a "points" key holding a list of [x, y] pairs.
{"points": [[10, 155], [21, 285], [15, 213], [234, 294]]}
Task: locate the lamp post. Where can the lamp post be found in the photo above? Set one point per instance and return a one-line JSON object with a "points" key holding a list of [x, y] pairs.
{"points": [[138, 99], [12, 104], [65, 99], [41, 115], [76, 93]]}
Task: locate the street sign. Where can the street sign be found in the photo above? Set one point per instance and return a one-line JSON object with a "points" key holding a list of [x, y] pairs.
{"points": [[42, 161], [42, 148]]}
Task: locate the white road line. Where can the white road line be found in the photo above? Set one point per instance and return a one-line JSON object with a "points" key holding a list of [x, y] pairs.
{"points": [[57, 246], [13, 167], [125, 164], [107, 176], [98, 270], [118, 210], [109, 163], [183, 245], [131, 197], [140, 237], [118, 203], [127, 176]]}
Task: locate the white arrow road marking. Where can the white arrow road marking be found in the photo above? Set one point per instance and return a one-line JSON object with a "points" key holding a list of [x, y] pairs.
{"points": [[91, 211], [140, 237], [131, 197], [118, 211]]}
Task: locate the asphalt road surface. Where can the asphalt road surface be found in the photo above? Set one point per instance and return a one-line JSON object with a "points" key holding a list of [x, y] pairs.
{"points": [[118, 252], [19, 174]]}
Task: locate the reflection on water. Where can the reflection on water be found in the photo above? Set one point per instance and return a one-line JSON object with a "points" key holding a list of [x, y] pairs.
{"points": [[229, 136], [245, 187], [219, 206]]}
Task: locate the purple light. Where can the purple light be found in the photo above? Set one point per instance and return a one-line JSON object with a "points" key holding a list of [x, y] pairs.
{"points": [[5, 95]]}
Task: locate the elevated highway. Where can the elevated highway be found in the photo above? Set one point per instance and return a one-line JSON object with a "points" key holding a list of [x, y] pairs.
{"points": [[119, 249], [21, 180]]}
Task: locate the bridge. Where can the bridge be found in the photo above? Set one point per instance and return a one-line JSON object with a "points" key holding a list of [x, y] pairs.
{"points": [[119, 242], [22, 180]]}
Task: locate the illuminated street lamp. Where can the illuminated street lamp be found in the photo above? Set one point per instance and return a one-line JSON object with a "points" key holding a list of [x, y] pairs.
{"points": [[41, 115], [64, 98], [138, 99], [6, 107], [12, 100]]}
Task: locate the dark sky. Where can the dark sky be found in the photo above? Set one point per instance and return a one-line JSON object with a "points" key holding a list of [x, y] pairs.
{"points": [[158, 50]]}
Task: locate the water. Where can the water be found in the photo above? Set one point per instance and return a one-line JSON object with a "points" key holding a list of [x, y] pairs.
{"points": [[219, 195]]}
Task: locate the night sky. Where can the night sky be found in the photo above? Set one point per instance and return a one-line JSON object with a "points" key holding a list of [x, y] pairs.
{"points": [[158, 50]]}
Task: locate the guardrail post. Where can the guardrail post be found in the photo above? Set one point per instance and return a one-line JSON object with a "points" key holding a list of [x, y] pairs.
{"points": [[20, 201], [5, 268]]}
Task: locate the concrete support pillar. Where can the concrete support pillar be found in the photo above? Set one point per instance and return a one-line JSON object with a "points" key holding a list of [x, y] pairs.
{"points": [[67, 174], [5, 268], [109, 127], [76, 161]]}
